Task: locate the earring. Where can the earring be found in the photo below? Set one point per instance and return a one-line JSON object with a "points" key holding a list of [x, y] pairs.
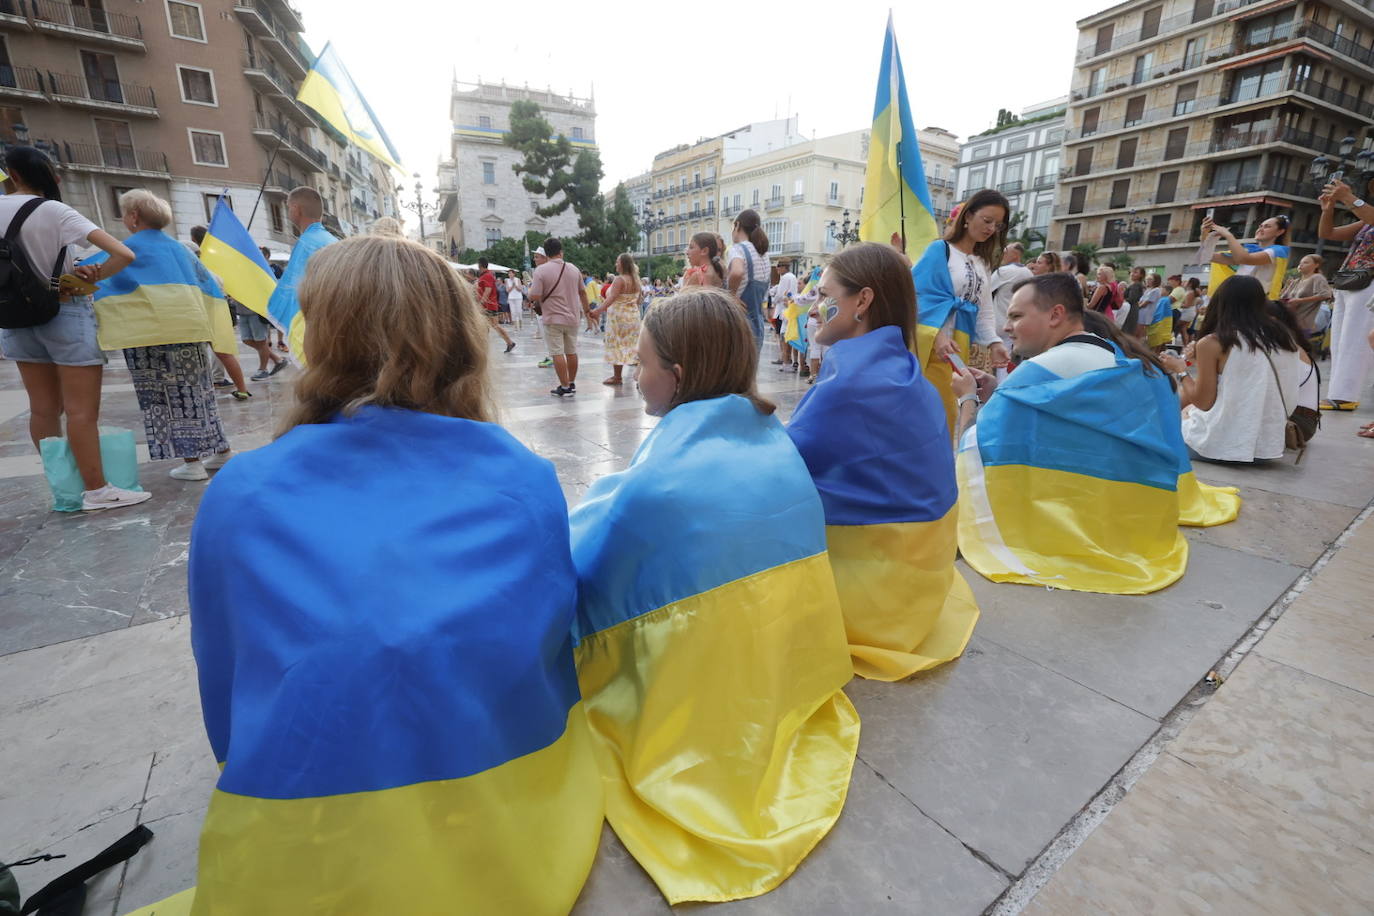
{"points": [[858, 318]]}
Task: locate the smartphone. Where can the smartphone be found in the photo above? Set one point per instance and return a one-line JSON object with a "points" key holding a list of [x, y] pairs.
{"points": [[1211, 212], [956, 362]]}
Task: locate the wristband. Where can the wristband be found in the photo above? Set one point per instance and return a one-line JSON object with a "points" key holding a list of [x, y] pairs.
{"points": [[1358, 202], [959, 404]]}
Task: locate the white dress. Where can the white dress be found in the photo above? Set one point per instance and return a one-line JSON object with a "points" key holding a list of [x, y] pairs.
{"points": [[1247, 421]]}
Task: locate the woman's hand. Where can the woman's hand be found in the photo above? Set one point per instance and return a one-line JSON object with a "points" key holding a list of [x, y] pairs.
{"points": [[1339, 191], [944, 345], [88, 272], [1327, 202], [1173, 363], [1190, 352], [964, 383], [1208, 227], [1000, 358]]}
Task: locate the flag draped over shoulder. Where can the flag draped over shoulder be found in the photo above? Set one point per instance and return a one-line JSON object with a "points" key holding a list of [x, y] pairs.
{"points": [[393, 736], [283, 309], [232, 255], [895, 191], [711, 654], [935, 302], [794, 326], [165, 296], [873, 434], [331, 92], [1061, 487], [1222, 272]]}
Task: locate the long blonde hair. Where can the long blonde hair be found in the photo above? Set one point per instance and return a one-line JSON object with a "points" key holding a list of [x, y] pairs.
{"points": [[703, 329], [390, 324]]}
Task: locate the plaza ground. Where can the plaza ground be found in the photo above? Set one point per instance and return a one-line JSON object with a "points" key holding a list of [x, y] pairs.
{"points": [[1074, 760]]}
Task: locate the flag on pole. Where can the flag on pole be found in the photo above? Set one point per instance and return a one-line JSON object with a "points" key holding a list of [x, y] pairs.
{"points": [[230, 253], [331, 92], [896, 198]]}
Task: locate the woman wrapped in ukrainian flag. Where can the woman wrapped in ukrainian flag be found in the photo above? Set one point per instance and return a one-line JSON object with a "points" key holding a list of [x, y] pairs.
{"points": [[711, 649], [382, 628], [872, 432], [954, 292]]}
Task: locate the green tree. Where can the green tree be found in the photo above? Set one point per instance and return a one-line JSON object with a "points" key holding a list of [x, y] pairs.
{"points": [[549, 166], [1086, 252], [1121, 261]]}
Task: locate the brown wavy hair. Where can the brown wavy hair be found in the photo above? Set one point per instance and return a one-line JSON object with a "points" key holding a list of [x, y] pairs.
{"points": [[389, 323], [881, 269], [703, 330], [991, 250]]}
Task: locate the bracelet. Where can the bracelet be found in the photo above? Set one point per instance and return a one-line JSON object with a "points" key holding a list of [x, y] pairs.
{"points": [[959, 404]]}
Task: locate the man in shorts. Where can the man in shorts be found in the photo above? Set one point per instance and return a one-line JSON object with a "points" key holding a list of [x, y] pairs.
{"points": [[557, 287], [255, 331]]}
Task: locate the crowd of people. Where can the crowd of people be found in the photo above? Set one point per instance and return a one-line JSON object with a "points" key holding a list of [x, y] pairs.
{"points": [[685, 633]]}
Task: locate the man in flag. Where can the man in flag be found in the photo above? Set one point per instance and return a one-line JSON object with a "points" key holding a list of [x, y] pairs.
{"points": [[1059, 486], [305, 209]]}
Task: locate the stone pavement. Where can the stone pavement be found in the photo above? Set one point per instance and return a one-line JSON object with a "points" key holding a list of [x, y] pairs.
{"points": [[975, 783]]}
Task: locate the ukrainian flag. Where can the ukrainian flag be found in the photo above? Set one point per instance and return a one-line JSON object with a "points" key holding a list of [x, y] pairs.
{"points": [[284, 309], [1062, 487], [873, 434], [1222, 272], [232, 255], [331, 92], [896, 198], [935, 303], [396, 716], [711, 654], [794, 325], [165, 296]]}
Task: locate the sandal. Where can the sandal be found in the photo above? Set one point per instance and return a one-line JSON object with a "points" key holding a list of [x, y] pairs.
{"points": [[241, 395], [1366, 432], [613, 381], [1327, 404]]}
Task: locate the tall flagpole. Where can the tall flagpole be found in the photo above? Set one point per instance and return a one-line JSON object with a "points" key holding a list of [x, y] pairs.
{"points": [[263, 187], [901, 194]]}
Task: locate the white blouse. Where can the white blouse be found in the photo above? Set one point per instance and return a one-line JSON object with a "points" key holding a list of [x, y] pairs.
{"points": [[973, 281]]}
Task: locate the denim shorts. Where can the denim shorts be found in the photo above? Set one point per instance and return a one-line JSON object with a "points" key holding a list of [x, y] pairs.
{"points": [[67, 340], [253, 326]]}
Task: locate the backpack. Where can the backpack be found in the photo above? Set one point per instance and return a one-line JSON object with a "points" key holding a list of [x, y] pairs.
{"points": [[27, 298]]}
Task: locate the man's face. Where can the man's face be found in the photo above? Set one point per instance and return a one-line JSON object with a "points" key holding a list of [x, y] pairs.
{"points": [[1031, 328]]}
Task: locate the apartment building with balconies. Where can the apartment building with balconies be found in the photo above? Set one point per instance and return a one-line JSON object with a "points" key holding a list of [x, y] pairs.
{"points": [[482, 199], [1021, 160], [801, 191], [1184, 106], [940, 162], [184, 98]]}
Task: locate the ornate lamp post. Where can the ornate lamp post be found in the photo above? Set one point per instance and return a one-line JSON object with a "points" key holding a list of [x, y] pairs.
{"points": [[649, 221], [842, 233], [420, 208], [1131, 229]]}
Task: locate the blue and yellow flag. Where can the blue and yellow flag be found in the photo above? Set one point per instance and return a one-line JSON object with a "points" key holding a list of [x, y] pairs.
{"points": [[284, 309], [896, 198], [232, 255], [873, 433], [1221, 272], [935, 304], [794, 326], [165, 296], [392, 737], [1061, 487], [329, 90], [711, 653]]}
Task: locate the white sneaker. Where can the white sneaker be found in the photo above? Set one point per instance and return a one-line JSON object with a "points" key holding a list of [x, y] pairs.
{"points": [[217, 460], [112, 497], [190, 470]]}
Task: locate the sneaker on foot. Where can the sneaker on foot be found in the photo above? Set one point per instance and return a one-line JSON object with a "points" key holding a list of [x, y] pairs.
{"points": [[112, 497], [260, 375], [190, 470], [560, 391], [224, 383], [217, 460], [510, 346], [571, 386], [241, 395], [546, 362], [280, 365]]}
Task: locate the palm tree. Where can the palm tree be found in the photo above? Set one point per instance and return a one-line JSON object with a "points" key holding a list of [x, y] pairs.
{"points": [[1086, 252]]}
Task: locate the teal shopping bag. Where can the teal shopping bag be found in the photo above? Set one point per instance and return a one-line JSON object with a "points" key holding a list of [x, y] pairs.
{"points": [[118, 454]]}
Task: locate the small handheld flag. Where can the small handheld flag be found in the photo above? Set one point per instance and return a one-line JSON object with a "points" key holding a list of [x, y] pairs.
{"points": [[330, 91], [230, 253]]}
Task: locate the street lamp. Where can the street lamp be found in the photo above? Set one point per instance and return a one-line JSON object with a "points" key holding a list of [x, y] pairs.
{"points": [[1130, 229], [842, 233], [650, 221], [420, 208]]}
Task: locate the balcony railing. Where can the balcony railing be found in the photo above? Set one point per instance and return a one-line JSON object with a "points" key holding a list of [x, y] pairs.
{"points": [[730, 209], [13, 8], [25, 79], [281, 181], [262, 64], [1010, 187], [788, 248], [798, 198], [69, 86], [943, 183], [284, 132], [1044, 181], [1166, 27], [773, 203], [1271, 183], [99, 156], [1338, 43], [96, 21]]}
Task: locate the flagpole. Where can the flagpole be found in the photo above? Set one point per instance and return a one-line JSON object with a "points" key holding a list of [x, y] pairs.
{"points": [[901, 195], [263, 187]]}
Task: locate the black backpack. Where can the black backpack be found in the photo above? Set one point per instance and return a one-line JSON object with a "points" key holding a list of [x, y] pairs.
{"points": [[27, 299]]}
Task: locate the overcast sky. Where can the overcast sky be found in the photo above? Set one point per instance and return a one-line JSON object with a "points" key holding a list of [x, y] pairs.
{"points": [[668, 74]]}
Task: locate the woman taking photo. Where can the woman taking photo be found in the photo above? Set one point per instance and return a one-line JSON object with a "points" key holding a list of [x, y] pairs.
{"points": [[711, 648], [704, 267], [954, 288], [747, 269], [60, 362], [621, 308], [396, 622], [1352, 320], [1265, 259], [1248, 371], [161, 312], [872, 432]]}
